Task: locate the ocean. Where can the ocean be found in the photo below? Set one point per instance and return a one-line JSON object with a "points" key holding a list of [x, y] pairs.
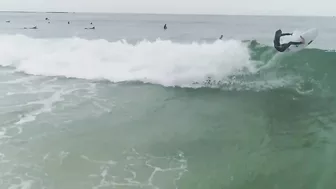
{"points": [[131, 105]]}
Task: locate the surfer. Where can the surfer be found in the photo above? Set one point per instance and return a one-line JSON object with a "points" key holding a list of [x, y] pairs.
{"points": [[282, 47], [165, 27], [33, 28]]}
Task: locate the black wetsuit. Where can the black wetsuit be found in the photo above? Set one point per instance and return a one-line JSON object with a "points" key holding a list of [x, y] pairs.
{"points": [[283, 47]]}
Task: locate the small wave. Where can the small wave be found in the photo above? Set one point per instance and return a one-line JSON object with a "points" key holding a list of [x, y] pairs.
{"points": [[163, 62]]}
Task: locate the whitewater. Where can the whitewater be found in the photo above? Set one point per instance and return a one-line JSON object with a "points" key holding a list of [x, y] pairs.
{"points": [[158, 62], [130, 105]]}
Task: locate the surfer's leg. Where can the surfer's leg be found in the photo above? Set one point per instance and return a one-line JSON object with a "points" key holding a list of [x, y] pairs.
{"points": [[285, 46], [295, 43]]}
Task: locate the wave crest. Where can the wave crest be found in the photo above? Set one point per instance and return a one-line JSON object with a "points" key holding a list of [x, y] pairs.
{"points": [[159, 62]]}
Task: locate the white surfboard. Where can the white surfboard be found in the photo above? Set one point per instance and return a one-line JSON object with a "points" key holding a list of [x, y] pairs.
{"points": [[309, 36]]}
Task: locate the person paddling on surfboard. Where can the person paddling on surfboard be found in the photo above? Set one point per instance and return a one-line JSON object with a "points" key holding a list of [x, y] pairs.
{"points": [[282, 47]]}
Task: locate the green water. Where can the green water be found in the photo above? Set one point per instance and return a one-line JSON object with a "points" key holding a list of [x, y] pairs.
{"points": [[78, 113]]}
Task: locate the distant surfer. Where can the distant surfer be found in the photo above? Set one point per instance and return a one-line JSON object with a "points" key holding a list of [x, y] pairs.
{"points": [[90, 28], [221, 37], [165, 27], [282, 47], [33, 28]]}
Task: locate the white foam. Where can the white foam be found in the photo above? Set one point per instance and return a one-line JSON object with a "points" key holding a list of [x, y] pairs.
{"points": [[109, 162], [3, 132], [62, 155], [177, 166], [159, 62], [47, 105], [23, 185]]}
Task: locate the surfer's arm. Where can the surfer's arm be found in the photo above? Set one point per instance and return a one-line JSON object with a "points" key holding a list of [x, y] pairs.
{"points": [[286, 34]]}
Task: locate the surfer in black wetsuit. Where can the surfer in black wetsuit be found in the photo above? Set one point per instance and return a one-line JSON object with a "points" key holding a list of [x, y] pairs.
{"points": [[283, 47], [33, 28]]}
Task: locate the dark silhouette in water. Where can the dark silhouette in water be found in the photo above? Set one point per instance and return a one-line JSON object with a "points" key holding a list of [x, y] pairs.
{"points": [[32, 28], [91, 23], [90, 28], [68, 22], [46, 18], [165, 27], [8, 21], [221, 37], [48, 22]]}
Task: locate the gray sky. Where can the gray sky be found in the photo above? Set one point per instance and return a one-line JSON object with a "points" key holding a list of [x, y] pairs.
{"points": [[268, 7]]}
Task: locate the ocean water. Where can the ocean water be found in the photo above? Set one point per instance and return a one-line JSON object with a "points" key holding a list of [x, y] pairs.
{"points": [[129, 105]]}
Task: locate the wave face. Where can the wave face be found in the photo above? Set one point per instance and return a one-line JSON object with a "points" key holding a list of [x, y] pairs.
{"points": [[232, 64], [313, 69]]}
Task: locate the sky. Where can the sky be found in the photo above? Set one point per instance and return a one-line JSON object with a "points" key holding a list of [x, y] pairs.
{"points": [[236, 7]]}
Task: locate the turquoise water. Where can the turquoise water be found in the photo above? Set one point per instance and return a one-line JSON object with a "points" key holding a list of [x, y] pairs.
{"points": [[129, 105]]}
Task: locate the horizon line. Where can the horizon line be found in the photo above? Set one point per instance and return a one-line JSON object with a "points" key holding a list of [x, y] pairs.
{"points": [[144, 13]]}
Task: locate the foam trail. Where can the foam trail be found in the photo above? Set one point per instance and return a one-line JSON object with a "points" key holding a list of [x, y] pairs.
{"points": [[272, 62], [159, 62]]}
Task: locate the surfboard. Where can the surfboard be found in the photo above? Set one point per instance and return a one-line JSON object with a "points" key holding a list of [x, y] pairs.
{"points": [[309, 36]]}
